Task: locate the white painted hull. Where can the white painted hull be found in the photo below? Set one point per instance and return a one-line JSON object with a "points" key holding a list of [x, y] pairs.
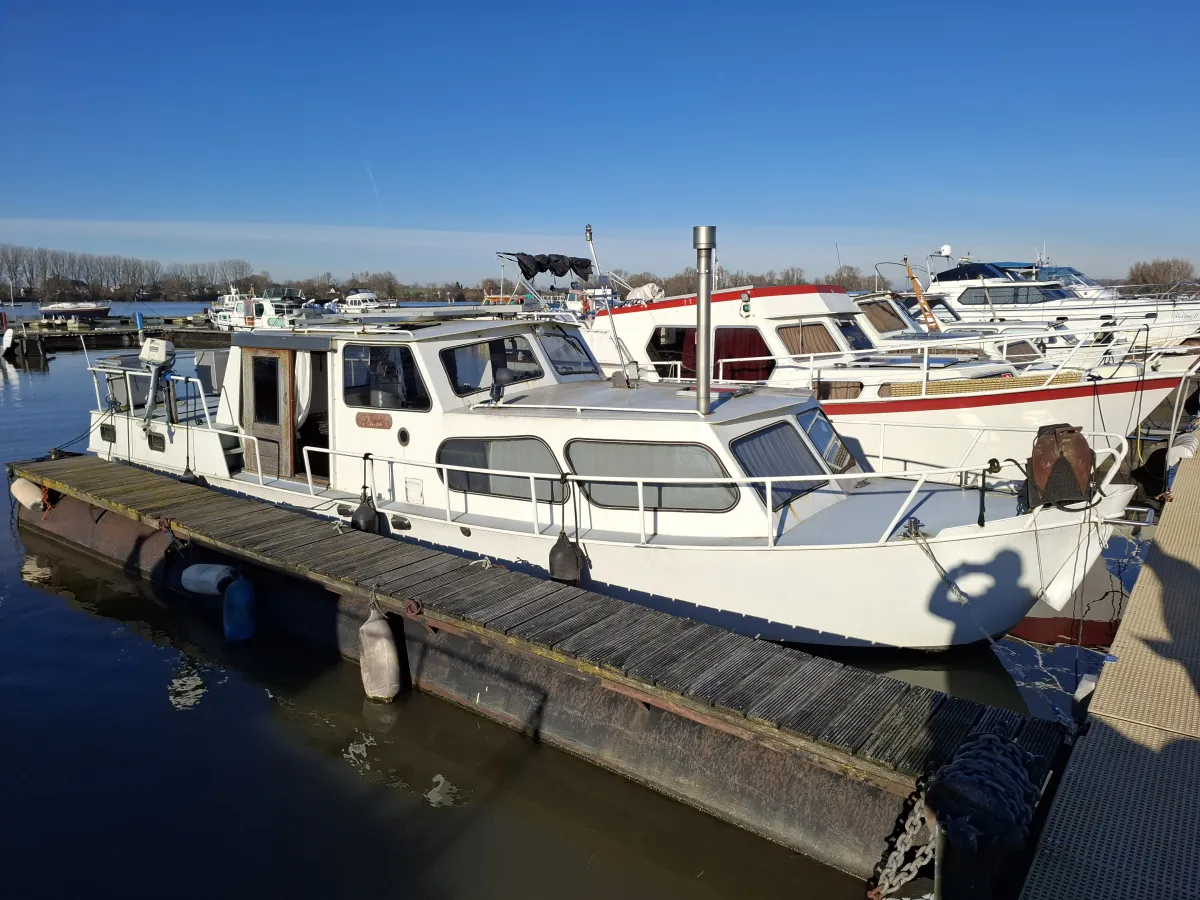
{"points": [[820, 594], [901, 434]]}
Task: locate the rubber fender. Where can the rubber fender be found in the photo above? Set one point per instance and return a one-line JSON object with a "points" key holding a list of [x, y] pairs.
{"points": [[207, 578], [28, 494], [237, 610], [378, 660]]}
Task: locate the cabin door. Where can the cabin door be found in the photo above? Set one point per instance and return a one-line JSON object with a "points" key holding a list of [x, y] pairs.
{"points": [[268, 411]]}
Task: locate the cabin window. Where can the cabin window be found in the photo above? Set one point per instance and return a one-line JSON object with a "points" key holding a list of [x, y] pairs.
{"points": [[882, 316], [775, 451], [382, 378], [1021, 352], [265, 373], [238, 307], [855, 336], [566, 353], [673, 351], [741, 344], [524, 454], [826, 439], [258, 309], [473, 367], [837, 390], [978, 296], [808, 338], [642, 459]]}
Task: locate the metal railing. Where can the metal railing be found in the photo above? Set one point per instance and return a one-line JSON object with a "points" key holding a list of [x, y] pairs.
{"points": [[766, 494], [128, 374]]}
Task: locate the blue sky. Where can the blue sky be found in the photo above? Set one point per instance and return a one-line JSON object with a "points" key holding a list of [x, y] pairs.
{"points": [[421, 137]]}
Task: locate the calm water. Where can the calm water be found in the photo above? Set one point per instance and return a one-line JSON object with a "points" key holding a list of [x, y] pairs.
{"points": [[142, 758]]}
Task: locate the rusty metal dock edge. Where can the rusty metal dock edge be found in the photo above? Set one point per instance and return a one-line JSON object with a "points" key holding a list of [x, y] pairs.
{"points": [[802, 794]]}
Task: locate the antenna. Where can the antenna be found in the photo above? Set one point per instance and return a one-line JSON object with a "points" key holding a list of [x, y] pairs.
{"points": [[838, 251]]}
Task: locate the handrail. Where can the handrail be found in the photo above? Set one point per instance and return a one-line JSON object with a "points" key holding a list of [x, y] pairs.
{"points": [[768, 483]]}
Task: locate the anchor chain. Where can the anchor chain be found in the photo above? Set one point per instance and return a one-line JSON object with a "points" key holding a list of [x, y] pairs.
{"points": [[896, 872]]}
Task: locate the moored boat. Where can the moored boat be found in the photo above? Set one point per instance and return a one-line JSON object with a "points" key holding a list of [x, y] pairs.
{"points": [[501, 439]]}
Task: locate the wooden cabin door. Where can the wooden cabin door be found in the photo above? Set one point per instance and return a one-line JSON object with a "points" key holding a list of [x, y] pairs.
{"points": [[268, 411]]}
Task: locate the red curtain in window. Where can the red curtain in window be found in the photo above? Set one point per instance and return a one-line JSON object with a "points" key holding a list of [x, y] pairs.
{"points": [[739, 343]]}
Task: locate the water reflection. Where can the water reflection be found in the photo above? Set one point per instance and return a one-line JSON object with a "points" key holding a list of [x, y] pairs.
{"points": [[258, 754]]}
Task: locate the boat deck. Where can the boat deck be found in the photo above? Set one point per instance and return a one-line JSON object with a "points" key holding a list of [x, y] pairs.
{"points": [[869, 730], [1124, 822]]}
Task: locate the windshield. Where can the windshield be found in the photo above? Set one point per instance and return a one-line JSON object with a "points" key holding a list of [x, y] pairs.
{"points": [[777, 450], [855, 336], [566, 354]]}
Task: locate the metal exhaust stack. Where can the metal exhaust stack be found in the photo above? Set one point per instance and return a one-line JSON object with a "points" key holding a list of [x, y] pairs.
{"points": [[704, 239]]}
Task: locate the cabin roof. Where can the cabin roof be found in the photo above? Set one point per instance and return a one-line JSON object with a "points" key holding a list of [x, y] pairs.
{"points": [[813, 299], [654, 399]]}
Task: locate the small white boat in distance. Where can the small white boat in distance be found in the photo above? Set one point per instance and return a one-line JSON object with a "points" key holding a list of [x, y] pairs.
{"points": [[80, 309], [500, 438]]}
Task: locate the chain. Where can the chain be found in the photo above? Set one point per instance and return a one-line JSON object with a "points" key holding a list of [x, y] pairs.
{"points": [[895, 872], [914, 534]]}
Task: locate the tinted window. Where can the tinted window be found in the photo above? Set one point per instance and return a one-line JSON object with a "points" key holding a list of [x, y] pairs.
{"points": [[382, 378], [504, 454], [473, 367], [648, 460], [827, 441], [778, 450], [566, 354], [855, 336], [266, 389]]}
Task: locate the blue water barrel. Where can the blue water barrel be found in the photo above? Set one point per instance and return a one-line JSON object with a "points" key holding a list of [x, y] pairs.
{"points": [[137, 317], [238, 611]]}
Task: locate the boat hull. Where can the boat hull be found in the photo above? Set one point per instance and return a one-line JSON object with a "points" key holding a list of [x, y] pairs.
{"points": [[928, 432]]}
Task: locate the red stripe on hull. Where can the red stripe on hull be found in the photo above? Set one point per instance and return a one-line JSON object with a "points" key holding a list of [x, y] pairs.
{"points": [[724, 296], [996, 398], [1064, 630]]}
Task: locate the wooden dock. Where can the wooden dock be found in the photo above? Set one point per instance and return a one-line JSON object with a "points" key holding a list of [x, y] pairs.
{"points": [[41, 338], [808, 752], [1125, 821]]}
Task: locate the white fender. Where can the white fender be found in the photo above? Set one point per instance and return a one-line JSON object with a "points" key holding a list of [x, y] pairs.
{"points": [[6, 341], [28, 494], [207, 578], [378, 660]]}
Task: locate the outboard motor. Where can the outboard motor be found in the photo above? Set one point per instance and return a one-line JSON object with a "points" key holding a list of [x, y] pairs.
{"points": [[1060, 467]]}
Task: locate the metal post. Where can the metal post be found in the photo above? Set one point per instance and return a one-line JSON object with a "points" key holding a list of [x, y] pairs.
{"points": [[704, 239]]}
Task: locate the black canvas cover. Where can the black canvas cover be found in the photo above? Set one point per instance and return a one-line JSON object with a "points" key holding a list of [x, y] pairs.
{"points": [[556, 264]]}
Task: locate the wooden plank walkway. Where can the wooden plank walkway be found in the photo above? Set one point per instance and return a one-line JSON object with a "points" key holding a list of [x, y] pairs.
{"points": [[1125, 821], [850, 720]]}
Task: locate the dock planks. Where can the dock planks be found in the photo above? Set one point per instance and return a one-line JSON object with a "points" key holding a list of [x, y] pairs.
{"points": [[891, 731], [1124, 821]]}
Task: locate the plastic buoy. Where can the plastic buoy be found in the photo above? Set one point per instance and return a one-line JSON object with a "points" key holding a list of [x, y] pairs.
{"points": [[207, 578], [378, 659], [28, 494], [238, 611]]}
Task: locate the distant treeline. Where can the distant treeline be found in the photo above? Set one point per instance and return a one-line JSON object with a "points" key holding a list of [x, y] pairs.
{"points": [[36, 272]]}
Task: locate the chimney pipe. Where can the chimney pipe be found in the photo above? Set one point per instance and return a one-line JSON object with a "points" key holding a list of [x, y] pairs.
{"points": [[704, 239]]}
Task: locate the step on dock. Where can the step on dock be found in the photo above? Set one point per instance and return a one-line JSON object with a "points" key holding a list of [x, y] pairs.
{"points": [[1125, 822], [808, 752]]}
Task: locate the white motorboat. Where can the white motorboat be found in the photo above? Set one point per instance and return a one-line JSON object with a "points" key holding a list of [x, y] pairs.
{"points": [[900, 405], [279, 307], [356, 302], [75, 309], [501, 439], [980, 292]]}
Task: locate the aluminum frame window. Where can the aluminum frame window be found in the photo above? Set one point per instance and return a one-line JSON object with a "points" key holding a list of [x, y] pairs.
{"points": [[672, 461]]}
